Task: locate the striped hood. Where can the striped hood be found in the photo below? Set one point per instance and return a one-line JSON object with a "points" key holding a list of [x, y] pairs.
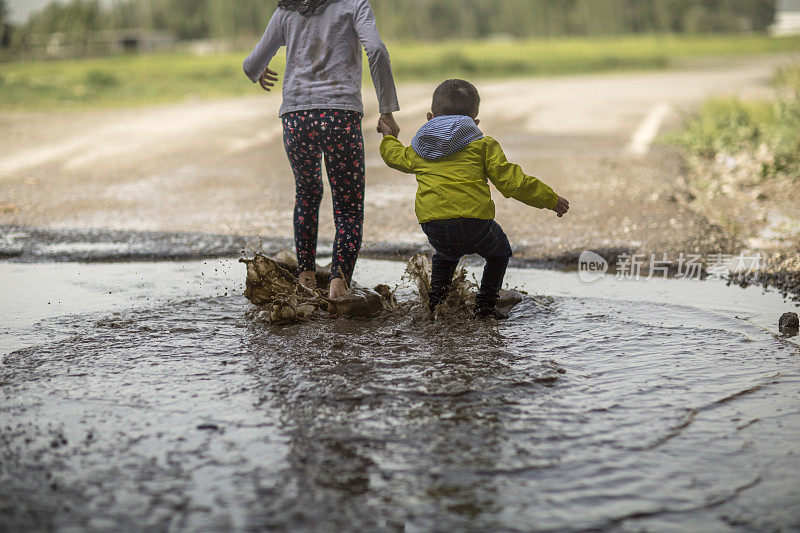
{"points": [[444, 136]]}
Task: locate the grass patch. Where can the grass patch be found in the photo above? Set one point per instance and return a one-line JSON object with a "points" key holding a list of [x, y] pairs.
{"points": [[145, 79], [571, 55], [744, 160], [120, 81], [769, 130]]}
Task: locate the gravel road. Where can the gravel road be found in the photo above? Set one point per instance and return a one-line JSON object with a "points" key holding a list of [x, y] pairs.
{"points": [[218, 166]]}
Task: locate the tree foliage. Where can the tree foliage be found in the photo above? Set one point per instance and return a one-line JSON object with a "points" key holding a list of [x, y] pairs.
{"points": [[420, 19], [4, 27], [541, 18]]}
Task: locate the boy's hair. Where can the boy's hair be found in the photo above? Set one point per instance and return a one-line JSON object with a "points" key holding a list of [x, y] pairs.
{"points": [[456, 97]]}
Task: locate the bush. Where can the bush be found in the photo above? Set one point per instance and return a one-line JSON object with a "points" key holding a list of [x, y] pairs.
{"points": [[730, 126], [101, 79], [726, 125]]}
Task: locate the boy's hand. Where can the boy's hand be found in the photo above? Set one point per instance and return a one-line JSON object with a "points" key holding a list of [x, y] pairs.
{"points": [[562, 206], [387, 125], [267, 79]]}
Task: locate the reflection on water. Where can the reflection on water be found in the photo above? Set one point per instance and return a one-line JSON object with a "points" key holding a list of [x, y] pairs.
{"points": [[392, 414], [577, 414]]}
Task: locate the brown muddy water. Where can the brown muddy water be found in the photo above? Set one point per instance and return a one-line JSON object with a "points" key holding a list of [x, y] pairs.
{"points": [[141, 397]]}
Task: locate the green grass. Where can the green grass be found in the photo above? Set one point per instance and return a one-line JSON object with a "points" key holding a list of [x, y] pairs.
{"points": [[572, 55], [144, 79], [119, 81], [732, 125]]}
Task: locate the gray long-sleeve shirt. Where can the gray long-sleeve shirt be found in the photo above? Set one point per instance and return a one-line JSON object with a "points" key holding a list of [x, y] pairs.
{"points": [[323, 57]]}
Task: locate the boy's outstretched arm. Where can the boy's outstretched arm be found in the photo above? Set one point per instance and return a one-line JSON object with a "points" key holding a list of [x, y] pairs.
{"points": [[512, 182], [393, 152]]}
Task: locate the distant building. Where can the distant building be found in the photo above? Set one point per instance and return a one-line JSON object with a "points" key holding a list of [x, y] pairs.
{"points": [[61, 45], [136, 40], [55, 44], [787, 18]]}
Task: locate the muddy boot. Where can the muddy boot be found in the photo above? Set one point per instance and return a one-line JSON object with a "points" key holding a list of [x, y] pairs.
{"points": [[437, 294], [486, 305], [489, 293]]}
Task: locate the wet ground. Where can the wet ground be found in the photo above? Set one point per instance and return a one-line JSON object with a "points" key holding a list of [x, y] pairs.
{"points": [[219, 167], [140, 396]]}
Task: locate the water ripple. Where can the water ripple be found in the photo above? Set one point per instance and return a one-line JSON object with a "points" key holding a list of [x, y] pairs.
{"points": [[580, 414]]}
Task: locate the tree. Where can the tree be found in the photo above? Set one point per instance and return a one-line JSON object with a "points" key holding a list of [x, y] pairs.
{"points": [[412, 19], [5, 28]]}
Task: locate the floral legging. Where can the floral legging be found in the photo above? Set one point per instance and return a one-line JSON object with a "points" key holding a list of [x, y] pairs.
{"points": [[336, 134]]}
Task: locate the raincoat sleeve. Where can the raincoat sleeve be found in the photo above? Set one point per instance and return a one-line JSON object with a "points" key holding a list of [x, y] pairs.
{"points": [[396, 155], [380, 67], [512, 182], [267, 47]]}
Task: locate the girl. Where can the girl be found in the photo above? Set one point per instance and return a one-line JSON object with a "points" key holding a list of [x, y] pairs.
{"points": [[321, 113]]}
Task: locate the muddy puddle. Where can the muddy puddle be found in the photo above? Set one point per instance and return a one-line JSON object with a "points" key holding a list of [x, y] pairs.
{"points": [[142, 397]]}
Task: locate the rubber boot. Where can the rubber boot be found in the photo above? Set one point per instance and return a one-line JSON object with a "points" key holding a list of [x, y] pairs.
{"points": [[486, 304], [437, 294]]}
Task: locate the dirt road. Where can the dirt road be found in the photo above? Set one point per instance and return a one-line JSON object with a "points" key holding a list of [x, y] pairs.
{"points": [[219, 167]]}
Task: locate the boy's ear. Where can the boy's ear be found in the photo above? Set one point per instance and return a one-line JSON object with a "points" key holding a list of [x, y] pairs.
{"points": [[477, 121], [430, 116]]}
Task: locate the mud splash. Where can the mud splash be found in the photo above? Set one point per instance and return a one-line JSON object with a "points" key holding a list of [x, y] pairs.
{"points": [[273, 287], [461, 298]]}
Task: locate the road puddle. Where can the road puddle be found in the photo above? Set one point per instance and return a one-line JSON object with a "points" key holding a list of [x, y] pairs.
{"points": [[141, 395]]}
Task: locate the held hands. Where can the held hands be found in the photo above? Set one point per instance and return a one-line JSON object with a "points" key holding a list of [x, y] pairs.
{"points": [[268, 79], [387, 125], [562, 206]]}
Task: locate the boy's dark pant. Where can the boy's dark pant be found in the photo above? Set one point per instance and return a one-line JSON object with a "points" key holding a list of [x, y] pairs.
{"points": [[455, 237]]}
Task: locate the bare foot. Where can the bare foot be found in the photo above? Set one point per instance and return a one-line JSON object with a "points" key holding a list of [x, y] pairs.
{"points": [[338, 288], [308, 279]]}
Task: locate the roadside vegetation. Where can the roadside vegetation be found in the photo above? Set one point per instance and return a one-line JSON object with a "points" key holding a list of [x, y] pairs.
{"points": [[744, 163], [137, 79], [767, 130], [78, 21]]}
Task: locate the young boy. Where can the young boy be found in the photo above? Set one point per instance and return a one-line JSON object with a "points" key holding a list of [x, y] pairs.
{"points": [[454, 163]]}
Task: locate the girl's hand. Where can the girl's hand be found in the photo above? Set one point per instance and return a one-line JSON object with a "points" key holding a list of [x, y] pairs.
{"points": [[267, 79], [384, 128], [387, 125]]}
